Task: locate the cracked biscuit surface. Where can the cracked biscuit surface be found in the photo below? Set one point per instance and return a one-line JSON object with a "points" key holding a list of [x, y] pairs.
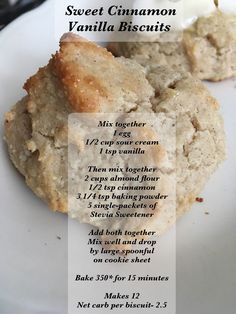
{"points": [[83, 77], [207, 49]]}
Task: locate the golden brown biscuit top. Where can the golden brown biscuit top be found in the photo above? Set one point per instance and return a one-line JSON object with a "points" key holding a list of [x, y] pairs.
{"points": [[94, 80]]}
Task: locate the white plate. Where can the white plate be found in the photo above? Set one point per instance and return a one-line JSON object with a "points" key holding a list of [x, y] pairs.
{"points": [[33, 273]]}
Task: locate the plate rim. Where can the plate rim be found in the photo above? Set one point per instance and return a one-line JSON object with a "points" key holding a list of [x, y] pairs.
{"points": [[12, 24]]}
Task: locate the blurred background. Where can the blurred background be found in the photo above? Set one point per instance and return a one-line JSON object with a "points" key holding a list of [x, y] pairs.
{"points": [[11, 9]]}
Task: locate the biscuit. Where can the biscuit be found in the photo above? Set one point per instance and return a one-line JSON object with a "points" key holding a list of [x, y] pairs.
{"points": [[83, 77], [207, 49]]}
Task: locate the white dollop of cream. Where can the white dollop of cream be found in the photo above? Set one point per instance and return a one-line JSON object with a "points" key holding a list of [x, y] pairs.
{"points": [[227, 6], [193, 9], [188, 11]]}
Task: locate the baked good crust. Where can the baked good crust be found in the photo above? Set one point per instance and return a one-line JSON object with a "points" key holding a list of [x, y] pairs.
{"points": [[100, 77], [36, 129], [53, 93], [207, 48]]}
